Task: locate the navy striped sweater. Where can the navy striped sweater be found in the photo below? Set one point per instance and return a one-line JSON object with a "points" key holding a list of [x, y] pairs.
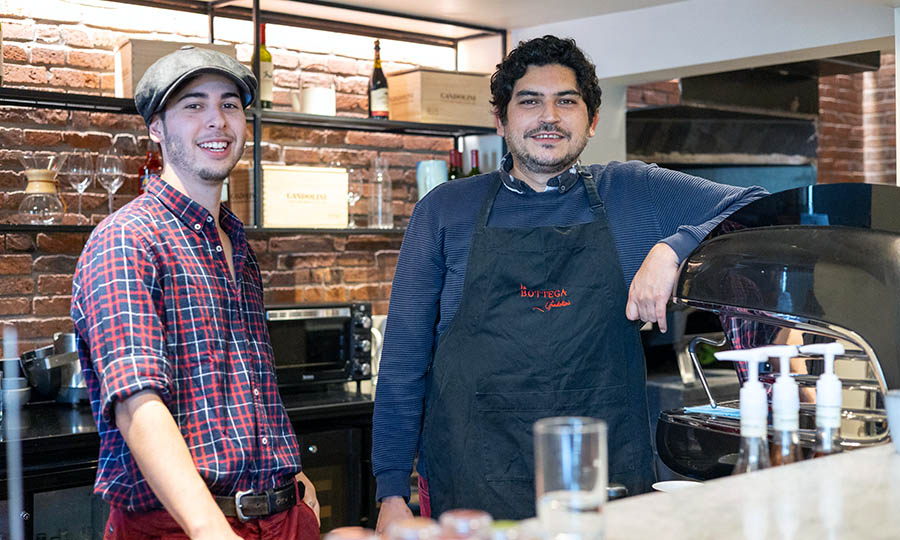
{"points": [[645, 204]]}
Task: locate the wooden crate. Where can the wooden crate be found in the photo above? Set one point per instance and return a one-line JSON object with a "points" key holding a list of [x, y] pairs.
{"points": [[440, 97], [134, 56], [294, 196]]}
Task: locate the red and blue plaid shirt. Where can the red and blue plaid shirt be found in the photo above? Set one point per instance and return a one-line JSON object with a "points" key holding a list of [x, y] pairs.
{"points": [[154, 308], [748, 334]]}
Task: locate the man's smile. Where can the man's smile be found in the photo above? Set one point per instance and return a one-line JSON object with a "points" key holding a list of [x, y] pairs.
{"points": [[215, 146]]}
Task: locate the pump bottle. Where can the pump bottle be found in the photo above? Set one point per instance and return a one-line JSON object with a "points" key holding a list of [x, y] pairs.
{"points": [[785, 446], [754, 452], [828, 400]]}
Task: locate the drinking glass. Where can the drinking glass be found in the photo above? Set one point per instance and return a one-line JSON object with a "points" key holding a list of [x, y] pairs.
{"points": [[78, 170], [381, 212], [111, 175], [356, 178], [570, 469]]}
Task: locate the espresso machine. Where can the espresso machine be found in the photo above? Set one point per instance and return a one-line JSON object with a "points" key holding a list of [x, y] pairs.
{"points": [[819, 262]]}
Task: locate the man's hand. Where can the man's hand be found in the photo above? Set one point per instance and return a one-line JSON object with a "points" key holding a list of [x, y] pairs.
{"points": [[165, 461], [309, 496], [652, 286], [393, 509]]}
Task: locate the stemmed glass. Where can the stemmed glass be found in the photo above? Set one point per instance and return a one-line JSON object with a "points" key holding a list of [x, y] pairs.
{"points": [[78, 170], [111, 175]]}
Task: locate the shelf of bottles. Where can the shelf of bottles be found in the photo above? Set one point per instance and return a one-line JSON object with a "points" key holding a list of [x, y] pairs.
{"points": [[82, 102], [382, 24]]}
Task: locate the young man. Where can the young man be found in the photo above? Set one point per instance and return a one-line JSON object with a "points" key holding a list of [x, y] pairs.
{"points": [[517, 296], [168, 310]]}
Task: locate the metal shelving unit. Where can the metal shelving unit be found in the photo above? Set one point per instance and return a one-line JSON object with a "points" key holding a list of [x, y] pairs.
{"points": [[330, 16]]}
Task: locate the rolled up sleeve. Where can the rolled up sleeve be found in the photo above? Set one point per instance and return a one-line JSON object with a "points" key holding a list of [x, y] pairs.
{"points": [[118, 310]]}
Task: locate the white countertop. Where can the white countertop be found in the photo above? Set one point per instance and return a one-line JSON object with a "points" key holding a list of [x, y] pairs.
{"points": [[853, 495]]}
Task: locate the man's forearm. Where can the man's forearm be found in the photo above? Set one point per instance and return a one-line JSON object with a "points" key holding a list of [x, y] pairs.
{"points": [[165, 461]]}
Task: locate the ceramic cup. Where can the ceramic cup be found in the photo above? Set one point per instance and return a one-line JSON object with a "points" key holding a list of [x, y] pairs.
{"points": [[430, 173], [892, 404], [317, 100]]}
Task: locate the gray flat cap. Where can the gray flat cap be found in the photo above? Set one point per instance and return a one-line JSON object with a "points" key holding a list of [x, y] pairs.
{"points": [[166, 74]]}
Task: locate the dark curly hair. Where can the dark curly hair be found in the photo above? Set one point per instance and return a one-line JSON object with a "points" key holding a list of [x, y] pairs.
{"points": [[541, 52]]}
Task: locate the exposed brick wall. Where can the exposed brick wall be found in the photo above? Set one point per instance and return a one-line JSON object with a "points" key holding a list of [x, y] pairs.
{"points": [[856, 124], [840, 155], [36, 274], [69, 47], [651, 94], [879, 128]]}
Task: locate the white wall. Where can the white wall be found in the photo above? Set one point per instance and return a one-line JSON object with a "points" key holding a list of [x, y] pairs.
{"points": [[696, 37]]}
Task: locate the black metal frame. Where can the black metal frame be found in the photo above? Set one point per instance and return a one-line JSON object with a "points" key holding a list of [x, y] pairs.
{"points": [[256, 115]]}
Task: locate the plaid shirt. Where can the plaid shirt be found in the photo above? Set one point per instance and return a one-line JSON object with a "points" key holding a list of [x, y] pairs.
{"points": [[154, 308], [747, 334]]}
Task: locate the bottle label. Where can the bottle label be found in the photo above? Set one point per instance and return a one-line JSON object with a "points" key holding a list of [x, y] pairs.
{"points": [[265, 81], [379, 101], [829, 417], [752, 427]]}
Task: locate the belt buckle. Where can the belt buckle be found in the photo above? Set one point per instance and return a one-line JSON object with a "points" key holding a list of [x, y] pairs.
{"points": [[237, 505]]}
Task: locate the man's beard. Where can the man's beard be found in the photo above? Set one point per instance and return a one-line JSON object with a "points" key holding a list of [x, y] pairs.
{"points": [[177, 155], [532, 163]]}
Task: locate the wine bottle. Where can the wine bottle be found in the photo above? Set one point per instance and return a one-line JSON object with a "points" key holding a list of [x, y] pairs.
{"points": [[265, 70], [474, 170], [455, 171], [378, 88], [152, 165]]}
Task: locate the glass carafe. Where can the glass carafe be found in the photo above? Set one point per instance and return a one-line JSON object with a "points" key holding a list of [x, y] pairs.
{"points": [[41, 204]]}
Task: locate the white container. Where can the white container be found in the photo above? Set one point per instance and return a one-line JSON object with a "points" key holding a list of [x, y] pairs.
{"points": [[892, 404], [318, 100]]}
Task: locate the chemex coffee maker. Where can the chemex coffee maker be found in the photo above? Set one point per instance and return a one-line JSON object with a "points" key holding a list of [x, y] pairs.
{"points": [[818, 263]]}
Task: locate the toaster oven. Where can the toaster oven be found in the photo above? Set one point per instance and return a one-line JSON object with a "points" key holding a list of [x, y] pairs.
{"points": [[320, 343]]}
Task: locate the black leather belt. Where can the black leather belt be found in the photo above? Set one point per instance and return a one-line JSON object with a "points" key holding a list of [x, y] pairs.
{"points": [[246, 505]]}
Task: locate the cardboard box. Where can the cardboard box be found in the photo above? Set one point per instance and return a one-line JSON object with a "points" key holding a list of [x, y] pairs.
{"points": [[240, 193], [441, 97], [293, 196], [134, 56]]}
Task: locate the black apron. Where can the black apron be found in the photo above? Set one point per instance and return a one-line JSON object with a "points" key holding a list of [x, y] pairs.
{"points": [[540, 331]]}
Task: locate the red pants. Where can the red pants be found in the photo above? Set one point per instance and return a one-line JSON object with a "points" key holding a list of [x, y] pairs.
{"points": [[424, 498], [298, 523]]}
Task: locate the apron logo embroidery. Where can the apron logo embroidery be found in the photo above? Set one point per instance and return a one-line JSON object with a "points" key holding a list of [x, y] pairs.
{"points": [[555, 298]]}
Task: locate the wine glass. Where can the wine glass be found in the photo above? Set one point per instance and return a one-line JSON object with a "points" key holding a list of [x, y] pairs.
{"points": [[78, 170], [111, 175]]}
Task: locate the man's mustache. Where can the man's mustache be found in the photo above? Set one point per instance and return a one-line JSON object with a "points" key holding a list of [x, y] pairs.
{"points": [[548, 128]]}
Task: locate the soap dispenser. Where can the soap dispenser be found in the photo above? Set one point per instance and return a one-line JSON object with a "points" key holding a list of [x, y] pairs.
{"points": [[754, 452], [785, 447], [828, 400]]}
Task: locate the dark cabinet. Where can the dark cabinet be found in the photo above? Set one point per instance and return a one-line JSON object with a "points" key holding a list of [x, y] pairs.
{"points": [[331, 459], [60, 449]]}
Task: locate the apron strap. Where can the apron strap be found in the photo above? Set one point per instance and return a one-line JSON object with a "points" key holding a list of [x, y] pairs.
{"points": [[485, 211], [593, 195], [597, 207]]}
